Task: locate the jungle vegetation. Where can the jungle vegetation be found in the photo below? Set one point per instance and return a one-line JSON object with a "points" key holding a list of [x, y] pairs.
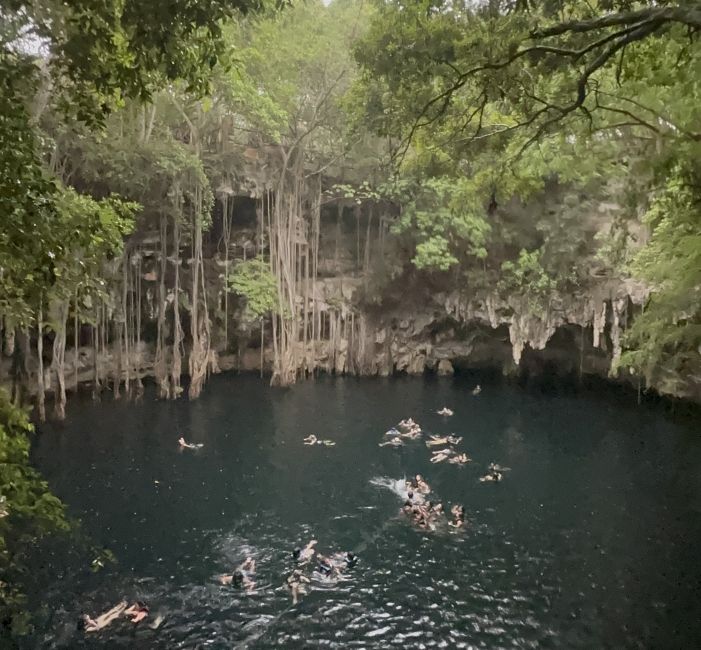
{"points": [[437, 122]]}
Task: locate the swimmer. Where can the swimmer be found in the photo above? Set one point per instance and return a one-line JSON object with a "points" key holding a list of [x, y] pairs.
{"points": [[437, 509], [89, 624], [311, 440], [407, 424], [242, 576], [421, 485], [415, 498], [495, 467], [411, 434], [492, 476], [392, 442], [296, 583], [443, 440], [477, 390], [459, 459], [305, 554], [187, 445], [458, 513], [422, 517], [344, 560], [138, 612], [445, 411], [325, 566], [441, 455], [393, 432]]}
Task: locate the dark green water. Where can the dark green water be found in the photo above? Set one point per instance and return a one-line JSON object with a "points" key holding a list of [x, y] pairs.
{"points": [[592, 541]]}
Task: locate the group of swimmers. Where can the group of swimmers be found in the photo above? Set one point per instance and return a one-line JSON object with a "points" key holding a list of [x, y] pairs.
{"points": [[405, 430], [494, 473], [327, 568], [427, 514], [410, 430]]}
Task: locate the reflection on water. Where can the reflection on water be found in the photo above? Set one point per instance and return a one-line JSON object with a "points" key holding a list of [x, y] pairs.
{"points": [[589, 542]]}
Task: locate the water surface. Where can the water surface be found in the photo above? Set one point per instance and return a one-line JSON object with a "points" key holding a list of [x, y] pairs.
{"points": [[592, 540]]}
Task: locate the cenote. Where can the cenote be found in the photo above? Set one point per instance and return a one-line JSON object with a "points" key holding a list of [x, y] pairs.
{"points": [[590, 541]]}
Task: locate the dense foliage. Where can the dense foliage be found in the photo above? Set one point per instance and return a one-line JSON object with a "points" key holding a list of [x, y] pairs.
{"points": [[506, 101], [28, 513], [482, 136], [253, 281]]}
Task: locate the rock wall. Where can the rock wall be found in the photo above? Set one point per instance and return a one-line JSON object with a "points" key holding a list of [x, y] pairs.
{"points": [[370, 325]]}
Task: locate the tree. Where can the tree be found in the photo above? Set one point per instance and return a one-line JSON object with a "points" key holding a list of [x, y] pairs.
{"points": [[28, 513], [253, 281], [517, 94]]}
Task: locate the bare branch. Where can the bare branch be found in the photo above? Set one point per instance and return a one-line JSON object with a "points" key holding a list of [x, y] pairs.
{"points": [[678, 14]]}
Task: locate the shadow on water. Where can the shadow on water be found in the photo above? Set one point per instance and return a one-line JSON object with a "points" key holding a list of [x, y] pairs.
{"points": [[589, 542]]}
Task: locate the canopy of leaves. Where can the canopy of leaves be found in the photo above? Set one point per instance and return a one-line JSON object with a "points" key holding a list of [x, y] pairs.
{"points": [[519, 97], [102, 52]]}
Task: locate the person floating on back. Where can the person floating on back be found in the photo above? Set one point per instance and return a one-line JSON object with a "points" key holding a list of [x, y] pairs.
{"points": [[313, 440], [441, 455], [89, 624], [443, 440], [187, 445], [445, 411], [477, 390]]}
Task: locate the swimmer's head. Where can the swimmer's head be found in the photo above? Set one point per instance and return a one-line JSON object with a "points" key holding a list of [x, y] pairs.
{"points": [[296, 553], [351, 558], [237, 578], [410, 495]]}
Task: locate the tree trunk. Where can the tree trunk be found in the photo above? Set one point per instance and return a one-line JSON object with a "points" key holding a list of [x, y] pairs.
{"points": [[58, 360], [125, 328], [96, 355], [136, 309], [199, 326], [159, 362], [41, 388], [76, 342], [176, 367]]}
